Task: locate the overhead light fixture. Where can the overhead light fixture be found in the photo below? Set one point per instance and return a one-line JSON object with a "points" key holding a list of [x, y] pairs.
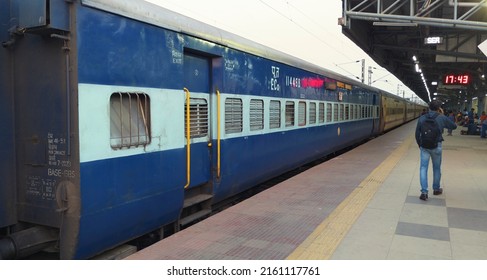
{"points": [[418, 70], [435, 83]]}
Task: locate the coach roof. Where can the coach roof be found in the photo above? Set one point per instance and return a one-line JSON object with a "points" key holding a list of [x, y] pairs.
{"points": [[147, 12]]}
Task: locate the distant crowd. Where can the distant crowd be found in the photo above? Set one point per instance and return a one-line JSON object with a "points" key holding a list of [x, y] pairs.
{"points": [[474, 124]]}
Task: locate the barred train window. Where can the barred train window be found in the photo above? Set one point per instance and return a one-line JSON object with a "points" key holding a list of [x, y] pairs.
{"points": [[198, 115], [233, 115], [312, 112], [347, 112], [289, 113], [129, 120], [275, 114], [256, 114], [321, 113], [301, 113], [335, 112], [328, 112]]}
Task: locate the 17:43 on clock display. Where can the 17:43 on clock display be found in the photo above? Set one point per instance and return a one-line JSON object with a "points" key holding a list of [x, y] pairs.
{"points": [[455, 79]]}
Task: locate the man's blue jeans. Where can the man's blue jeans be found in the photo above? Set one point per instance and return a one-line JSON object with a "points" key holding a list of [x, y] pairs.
{"points": [[435, 155]]}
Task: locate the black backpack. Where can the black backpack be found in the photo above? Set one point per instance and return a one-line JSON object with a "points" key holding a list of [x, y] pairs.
{"points": [[429, 133]]}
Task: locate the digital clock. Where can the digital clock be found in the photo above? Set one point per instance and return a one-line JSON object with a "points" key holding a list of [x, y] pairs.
{"points": [[455, 79]]}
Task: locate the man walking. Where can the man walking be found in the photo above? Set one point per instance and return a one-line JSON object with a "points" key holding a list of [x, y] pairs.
{"points": [[429, 137]]}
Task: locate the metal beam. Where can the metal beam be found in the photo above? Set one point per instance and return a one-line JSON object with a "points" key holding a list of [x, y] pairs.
{"points": [[431, 8], [481, 58], [440, 22], [472, 11]]}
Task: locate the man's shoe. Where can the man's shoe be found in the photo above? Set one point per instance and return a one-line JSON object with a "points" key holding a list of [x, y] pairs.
{"points": [[423, 196], [438, 191]]}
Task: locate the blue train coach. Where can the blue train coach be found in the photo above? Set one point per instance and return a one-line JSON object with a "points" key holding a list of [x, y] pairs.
{"points": [[121, 118]]}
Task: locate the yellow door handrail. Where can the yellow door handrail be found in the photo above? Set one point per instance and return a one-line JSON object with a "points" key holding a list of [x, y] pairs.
{"points": [[218, 138], [188, 139]]}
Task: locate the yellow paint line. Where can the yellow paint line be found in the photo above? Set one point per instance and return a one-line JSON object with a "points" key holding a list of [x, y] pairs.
{"points": [[323, 241]]}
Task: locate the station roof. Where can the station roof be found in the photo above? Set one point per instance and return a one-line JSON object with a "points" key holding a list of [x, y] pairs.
{"points": [[442, 35]]}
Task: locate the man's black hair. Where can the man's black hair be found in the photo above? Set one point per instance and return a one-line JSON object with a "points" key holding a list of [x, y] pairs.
{"points": [[435, 105]]}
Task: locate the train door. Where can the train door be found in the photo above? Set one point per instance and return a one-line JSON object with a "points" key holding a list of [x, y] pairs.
{"points": [[375, 114], [382, 117], [198, 192], [197, 81]]}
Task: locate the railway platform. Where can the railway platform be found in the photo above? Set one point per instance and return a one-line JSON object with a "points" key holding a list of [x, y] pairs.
{"points": [[363, 204]]}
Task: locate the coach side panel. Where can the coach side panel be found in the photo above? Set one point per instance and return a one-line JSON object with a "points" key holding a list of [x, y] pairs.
{"points": [[8, 199]]}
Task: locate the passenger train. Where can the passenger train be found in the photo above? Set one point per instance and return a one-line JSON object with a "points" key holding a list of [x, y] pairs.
{"points": [[122, 118]]}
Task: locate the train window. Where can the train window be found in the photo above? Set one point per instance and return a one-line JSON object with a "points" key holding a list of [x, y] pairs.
{"points": [[347, 111], [275, 114], [364, 112], [341, 115], [233, 115], [328, 112], [289, 113], [129, 120], [335, 112], [301, 113], [198, 116], [256, 114], [376, 111], [359, 112], [312, 112], [321, 113], [355, 111]]}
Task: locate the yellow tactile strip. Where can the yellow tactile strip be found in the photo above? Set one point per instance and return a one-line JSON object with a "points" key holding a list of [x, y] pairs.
{"points": [[323, 241]]}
